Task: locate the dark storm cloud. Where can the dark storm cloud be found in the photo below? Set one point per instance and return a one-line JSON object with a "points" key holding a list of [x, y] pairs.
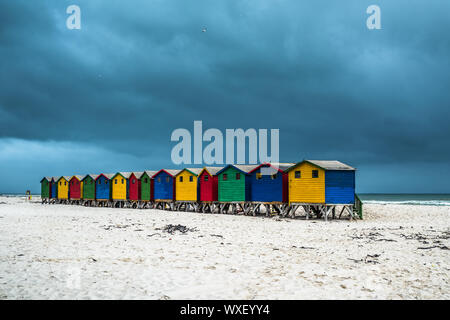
{"points": [[138, 70]]}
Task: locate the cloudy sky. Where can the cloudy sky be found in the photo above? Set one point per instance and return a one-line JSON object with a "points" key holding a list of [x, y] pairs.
{"points": [[106, 98]]}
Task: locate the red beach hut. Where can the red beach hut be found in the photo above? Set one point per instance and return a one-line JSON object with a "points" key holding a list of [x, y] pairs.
{"points": [[133, 186], [208, 182], [75, 187]]}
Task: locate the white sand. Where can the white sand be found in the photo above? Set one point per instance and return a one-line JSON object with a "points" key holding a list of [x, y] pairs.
{"points": [[65, 252]]}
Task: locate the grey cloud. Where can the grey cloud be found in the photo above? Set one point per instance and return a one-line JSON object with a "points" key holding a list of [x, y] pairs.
{"points": [[136, 71]]}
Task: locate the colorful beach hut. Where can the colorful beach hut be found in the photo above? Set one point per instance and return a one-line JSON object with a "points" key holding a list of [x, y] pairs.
{"points": [[76, 187], [133, 185], [54, 187], [103, 186], [234, 183], [269, 182], [63, 187], [119, 185], [89, 186], [146, 185], [186, 186], [319, 181], [164, 184], [46, 189], [208, 182]]}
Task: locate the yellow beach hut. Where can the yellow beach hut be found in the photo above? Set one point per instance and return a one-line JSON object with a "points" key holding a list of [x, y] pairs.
{"points": [[63, 187], [119, 184], [186, 185], [321, 181]]}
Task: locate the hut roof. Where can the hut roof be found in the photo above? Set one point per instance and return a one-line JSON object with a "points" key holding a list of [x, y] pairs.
{"points": [[194, 171], [246, 169], [330, 165], [79, 177], [278, 165], [150, 173], [93, 176], [55, 178], [326, 165], [108, 176], [67, 178], [212, 170], [139, 174], [46, 178], [172, 172], [126, 175]]}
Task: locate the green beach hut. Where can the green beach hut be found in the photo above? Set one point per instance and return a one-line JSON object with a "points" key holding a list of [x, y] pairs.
{"points": [[89, 186], [234, 183], [145, 184], [45, 187]]}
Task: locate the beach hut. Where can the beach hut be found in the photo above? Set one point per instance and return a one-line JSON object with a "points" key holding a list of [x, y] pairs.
{"points": [[46, 187], [76, 187], [119, 185], [269, 182], [164, 184], [234, 183], [186, 186], [103, 186], [54, 187], [319, 181], [63, 187], [133, 185], [146, 185], [89, 186], [208, 182]]}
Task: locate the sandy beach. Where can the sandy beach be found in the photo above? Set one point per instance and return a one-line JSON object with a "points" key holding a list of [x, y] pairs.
{"points": [[74, 252]]}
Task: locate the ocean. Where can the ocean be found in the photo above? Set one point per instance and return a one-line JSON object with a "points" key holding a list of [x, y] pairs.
{"points": [[404, 198]]}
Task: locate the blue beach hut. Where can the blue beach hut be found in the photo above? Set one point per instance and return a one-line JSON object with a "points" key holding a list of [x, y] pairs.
{"points": [[103, 186], [54, 187], [164, 184], [269, 182]]}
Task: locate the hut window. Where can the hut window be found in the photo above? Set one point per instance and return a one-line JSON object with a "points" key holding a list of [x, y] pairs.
{"points": [[181, 179], [274, 176], [115, 181], [99, 181], [167, 179], [206, 178], [224, 177], [258, 175], [60, 183], [315, 173], [65, 183], [146, 180], [238, 176], [122, 181], [133, 181], [191, 178], [159, 179], [106, 181], [297, 175]]}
